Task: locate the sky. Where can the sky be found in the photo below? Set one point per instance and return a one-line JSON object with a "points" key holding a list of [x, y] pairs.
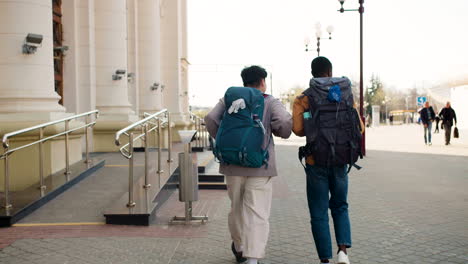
{"points": [[407, 43]]}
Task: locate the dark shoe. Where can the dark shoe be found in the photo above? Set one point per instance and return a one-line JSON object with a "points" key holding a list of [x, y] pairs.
{"points": [[238, 255]]}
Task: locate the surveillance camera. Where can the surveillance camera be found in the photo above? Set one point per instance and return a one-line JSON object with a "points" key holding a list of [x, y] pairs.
{"points": [[29, 49], [120, 72], [116, 77], [31, 43], [34, 39]]}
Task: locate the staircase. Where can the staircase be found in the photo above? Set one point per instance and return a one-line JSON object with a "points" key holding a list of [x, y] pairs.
{"points": [[209, 177]]}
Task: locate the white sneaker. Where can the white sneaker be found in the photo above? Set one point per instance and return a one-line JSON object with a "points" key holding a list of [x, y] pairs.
{"points": [[342, 258]]}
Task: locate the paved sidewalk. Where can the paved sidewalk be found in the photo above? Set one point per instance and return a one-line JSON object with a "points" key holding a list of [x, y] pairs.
{"points": [[410, 138], [404, 207]]}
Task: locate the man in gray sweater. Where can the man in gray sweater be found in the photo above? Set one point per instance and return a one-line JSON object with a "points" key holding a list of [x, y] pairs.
{"points": [[250, 189]]}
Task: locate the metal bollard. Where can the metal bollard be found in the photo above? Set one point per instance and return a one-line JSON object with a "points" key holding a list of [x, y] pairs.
{"points": [[160, 170], [42, 187], [131, 202], [169, 138], [87, 161], [147, 185], [7, 205], [67, 150]]}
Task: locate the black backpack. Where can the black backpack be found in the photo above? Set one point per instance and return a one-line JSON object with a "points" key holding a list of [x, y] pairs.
{"points": [[331, 124]]}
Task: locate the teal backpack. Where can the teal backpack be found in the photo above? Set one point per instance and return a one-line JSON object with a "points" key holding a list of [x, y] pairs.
{"points": [[240, 135]]}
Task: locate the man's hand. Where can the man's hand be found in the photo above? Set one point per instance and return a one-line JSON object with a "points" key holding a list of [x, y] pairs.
{"points": [[425, 125]]}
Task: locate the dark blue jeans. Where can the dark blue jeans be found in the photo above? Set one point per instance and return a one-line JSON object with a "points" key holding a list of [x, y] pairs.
{"points": [[328, 188]]}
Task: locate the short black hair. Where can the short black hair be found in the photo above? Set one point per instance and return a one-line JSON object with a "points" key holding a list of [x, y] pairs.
{"points": [[253, 75], [320, 66]]}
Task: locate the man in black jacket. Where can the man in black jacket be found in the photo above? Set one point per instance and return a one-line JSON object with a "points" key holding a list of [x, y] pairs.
{"points": [[448, 115], [427, 116]]}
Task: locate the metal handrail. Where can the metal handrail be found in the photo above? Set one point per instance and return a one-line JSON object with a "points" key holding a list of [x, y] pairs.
{"points": [[157, 121], [29, 129], [201, 139], [136, 124], [7, 152]]}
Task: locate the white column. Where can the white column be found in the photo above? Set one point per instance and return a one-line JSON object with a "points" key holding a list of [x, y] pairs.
{"points": [[111, 55], [173, 44], [26, 80], [112, 96], [132, 53], [79, 61], [149, 56]]}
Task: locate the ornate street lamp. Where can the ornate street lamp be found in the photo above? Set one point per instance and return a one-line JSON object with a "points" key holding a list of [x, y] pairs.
{"points": [[361, 79], [318, 35]]}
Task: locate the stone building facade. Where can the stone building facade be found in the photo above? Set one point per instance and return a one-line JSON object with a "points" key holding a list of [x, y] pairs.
{"points": [[122, 57]]}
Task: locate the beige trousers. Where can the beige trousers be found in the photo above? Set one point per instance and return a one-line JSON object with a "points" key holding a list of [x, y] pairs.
{"points": [[250, 210]]}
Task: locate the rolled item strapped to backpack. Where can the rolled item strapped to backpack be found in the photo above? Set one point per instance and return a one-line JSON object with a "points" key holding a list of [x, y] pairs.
{"points": [[332, 129]]}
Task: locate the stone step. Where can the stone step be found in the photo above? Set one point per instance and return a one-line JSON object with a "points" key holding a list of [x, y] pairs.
{"points": [[210, 178]]}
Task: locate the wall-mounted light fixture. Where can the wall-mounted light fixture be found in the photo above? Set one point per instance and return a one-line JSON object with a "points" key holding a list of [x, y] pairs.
{"points": [[118, 75], [155, 86], [31, 43]]}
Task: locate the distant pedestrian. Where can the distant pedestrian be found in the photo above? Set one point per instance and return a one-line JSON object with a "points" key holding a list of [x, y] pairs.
{"points": [[243, 124], [447, 114], [427, 116], [391, 120], [437, 120], [332, 127]]}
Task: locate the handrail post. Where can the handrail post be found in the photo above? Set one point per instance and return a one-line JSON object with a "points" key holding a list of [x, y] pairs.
{"points": [[197, 127], [42, 187], [67, 150], [130, 203], [145, 129], [7, 182], [205, 138], [169, 138], [87, 160], [160, 171], [201, 132]]}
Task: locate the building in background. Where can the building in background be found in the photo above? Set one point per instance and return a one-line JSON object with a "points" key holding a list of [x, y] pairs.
{"points": [[122, 57], [458, 96]]}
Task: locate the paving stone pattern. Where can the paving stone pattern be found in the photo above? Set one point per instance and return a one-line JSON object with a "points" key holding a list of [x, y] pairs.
{"points": [[405, 208]]}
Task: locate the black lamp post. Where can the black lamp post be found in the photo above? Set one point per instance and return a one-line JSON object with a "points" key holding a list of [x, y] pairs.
{"points": [[318, 35], [361, 79]]}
